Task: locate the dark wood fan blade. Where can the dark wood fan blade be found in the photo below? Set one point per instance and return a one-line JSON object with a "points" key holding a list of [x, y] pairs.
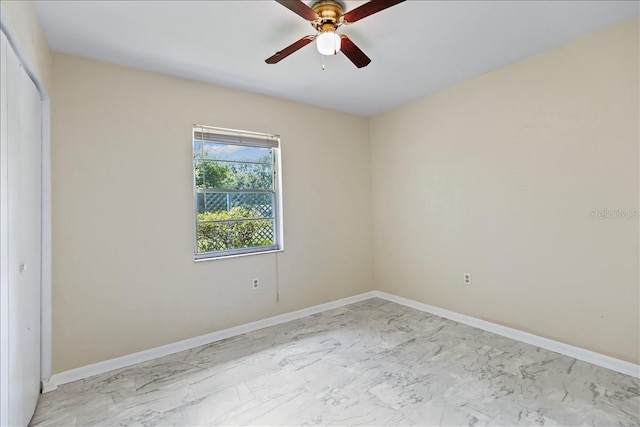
{"points": [[299, 8], [279, 56], [374, 6], [353, 52]]}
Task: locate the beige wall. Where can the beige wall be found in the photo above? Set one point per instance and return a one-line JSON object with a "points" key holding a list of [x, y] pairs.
{"points": [[124, 278], [496, 177], [25, 24]]}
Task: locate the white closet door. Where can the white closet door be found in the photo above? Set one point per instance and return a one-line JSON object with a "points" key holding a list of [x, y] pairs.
{"points": [[4, 242], [24, 219]]}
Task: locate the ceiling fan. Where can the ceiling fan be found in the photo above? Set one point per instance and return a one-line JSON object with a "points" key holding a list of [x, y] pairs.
{"points": [[326, 16]]}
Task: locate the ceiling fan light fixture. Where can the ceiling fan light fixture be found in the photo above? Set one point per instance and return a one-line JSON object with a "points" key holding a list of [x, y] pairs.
{"points": [[326, 16], [328, 43]]}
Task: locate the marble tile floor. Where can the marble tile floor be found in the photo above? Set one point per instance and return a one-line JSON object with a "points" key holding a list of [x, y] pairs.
{"points": [[369, 363]]}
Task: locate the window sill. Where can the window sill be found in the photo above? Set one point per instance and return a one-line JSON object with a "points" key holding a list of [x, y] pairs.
{"points": [[214, 258]]}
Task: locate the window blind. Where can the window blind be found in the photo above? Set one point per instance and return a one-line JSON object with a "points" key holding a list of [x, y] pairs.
{"points": [[231, 136]]}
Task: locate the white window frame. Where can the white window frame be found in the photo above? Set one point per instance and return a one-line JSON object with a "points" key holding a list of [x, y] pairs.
{"points": [[247, 139]]}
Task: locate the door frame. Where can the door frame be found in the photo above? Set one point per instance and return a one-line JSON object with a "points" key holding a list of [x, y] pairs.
{"points": [[45, 303]]}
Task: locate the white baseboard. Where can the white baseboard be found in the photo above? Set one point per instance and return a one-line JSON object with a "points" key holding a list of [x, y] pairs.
{"points": [[588, 356], [48, 385], [165, 350]]}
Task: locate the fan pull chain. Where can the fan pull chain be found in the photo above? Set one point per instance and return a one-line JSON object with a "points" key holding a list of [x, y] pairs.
{"points": [[322, 62]]}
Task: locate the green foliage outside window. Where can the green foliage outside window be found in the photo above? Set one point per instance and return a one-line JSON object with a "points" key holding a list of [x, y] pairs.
{"points": [[239, 176], [219, 236], [239, 224]]}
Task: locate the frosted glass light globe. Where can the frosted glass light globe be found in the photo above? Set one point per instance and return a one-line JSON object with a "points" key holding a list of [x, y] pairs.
{"points": [[328, 43]]}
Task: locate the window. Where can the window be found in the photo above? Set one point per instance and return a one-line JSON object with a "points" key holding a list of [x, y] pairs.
{"points": [[236, 192]]}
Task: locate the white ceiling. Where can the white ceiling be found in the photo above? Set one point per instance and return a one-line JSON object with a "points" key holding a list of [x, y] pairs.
{"points": [[416, 47]]}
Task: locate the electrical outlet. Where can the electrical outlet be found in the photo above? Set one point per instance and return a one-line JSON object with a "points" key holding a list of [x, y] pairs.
{"points": [[255, 284], [467, 279]]}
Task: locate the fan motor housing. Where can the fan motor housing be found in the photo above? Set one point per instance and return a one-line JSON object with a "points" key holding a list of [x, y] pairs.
{"points": [[330, 13]]}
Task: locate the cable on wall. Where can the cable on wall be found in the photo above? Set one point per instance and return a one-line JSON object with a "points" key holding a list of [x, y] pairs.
{"points": [[277, 280]]}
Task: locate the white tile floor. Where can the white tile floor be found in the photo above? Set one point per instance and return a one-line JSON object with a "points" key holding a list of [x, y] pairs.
{"points": [[370, 363]]}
